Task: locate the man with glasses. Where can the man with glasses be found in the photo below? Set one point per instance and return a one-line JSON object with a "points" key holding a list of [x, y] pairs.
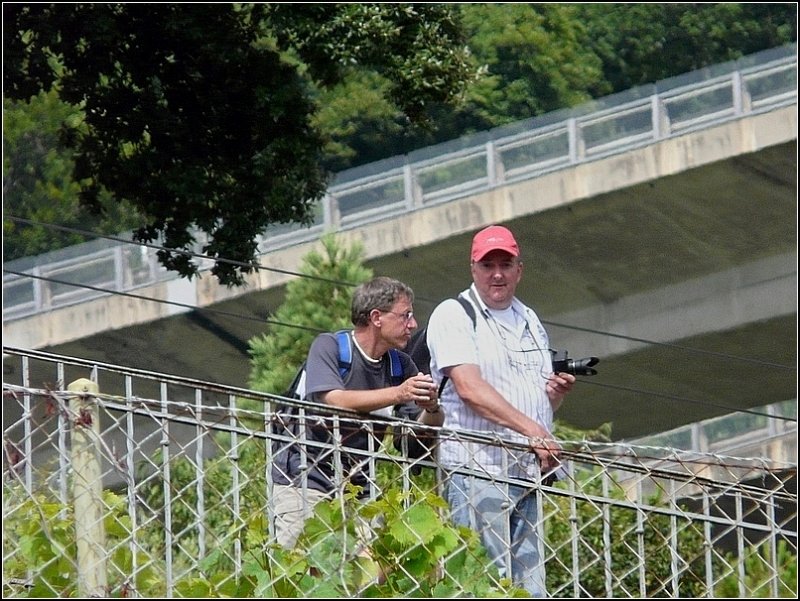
{"points": [[304, 474], [501, 384]]}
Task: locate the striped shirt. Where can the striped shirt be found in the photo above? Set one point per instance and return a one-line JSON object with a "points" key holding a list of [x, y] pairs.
{"points": [[511, 349]]}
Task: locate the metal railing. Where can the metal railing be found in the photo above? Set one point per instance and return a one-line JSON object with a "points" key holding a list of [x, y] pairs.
{"points": [[734, 433], [121, 482], [524, 150]]}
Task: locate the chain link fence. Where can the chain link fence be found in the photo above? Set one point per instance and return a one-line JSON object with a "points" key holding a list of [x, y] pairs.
{"points": [[120, 482]]}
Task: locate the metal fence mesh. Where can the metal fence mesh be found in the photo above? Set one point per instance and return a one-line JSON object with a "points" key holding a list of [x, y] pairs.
{"points": [[128, 483]]}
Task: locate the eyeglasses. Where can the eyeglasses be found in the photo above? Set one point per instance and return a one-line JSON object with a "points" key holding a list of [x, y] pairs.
{"points": [[406, 317]]}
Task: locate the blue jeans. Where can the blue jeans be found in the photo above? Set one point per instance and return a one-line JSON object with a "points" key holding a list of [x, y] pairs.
{"points": [[505, 516]]}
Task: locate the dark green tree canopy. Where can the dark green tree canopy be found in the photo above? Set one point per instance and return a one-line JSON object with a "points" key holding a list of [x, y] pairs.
{"points": [[201, 115], [38, 182], [643, 42], [219, 119]]}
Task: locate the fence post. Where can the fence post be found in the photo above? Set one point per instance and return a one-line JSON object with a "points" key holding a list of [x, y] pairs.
{"points": [[87, 489]]}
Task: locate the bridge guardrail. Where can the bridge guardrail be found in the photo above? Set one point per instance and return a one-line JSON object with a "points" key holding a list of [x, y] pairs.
{"points": [[527, 149]]}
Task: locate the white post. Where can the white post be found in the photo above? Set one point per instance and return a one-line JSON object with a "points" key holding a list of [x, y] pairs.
{"points": [[87, 489]]}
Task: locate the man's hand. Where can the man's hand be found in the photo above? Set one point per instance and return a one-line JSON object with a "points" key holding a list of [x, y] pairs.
{"points": [[557, 386], [422, 390], [547, 450]]}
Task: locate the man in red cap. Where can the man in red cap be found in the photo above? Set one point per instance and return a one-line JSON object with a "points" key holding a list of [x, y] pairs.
{"points": [[502, 384]]}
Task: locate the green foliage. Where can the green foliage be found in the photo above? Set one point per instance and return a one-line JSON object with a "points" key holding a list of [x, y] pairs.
{"points": [[172, 126], [563, 431], [631, 540], [536, 58], [326, 561], [322, 301], [529, 58], [759, 574], [414, 553], [39, 543], [641, 43], [38, 184], [201, 116], [390, 472], [419, 50], [222, 526], [361, 124], [616, 531]]}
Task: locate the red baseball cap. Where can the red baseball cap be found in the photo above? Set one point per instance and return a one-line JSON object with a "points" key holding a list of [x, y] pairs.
{"points": [[494, 237]]}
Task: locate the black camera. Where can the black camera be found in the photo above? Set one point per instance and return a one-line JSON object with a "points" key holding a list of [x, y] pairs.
{"points": [[576, 367]]}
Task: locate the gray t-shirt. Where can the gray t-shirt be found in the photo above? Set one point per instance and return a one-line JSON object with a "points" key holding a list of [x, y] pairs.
{"points": [[322, 375]]}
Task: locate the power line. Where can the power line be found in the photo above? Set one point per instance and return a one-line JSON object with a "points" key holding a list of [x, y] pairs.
{"points": [[272, 322], [685, 400], [258, 266], [178, 251], [157, 300], [671, 345]]}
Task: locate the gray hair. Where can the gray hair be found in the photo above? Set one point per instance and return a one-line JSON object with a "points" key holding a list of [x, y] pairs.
{"points": [[379, 293]]}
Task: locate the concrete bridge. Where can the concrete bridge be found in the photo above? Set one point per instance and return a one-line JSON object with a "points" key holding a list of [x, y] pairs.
{"points": [[658, 229]]}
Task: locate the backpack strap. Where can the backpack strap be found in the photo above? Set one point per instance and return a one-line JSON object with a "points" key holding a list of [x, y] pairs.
{"points": [[345, 352], [346, 358], [297, 389], [396, 368], [469, 309]]}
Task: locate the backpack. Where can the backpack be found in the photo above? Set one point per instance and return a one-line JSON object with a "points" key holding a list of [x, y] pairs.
{"points": [[285, 423], [297, 389]]}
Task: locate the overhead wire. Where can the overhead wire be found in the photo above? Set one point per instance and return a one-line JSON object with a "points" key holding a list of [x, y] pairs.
{"points": [[686, 400], [178, 251], [158, 300], [256, 265], [259, 266], [671, 345]]}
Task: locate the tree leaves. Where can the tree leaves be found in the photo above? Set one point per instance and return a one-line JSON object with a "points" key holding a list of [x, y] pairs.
{"points": [[198, 121]]}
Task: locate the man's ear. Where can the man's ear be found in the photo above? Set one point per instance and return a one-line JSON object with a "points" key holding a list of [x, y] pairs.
{"points": [[375, 317]]}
